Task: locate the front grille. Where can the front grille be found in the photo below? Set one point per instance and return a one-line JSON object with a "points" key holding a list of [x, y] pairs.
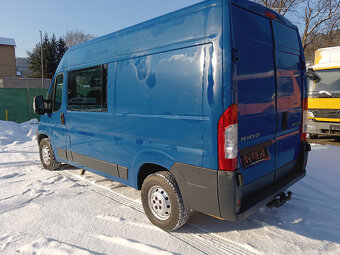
{"points": [[326, 113]]}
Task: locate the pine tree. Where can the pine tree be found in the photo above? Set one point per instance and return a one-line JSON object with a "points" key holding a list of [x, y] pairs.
{"points": [[52, 56], [46, 56], [61, 49], [34, 61], [53, 51]]}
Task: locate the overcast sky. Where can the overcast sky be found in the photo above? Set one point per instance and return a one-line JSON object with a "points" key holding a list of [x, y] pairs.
{"points": [[22, 19]]}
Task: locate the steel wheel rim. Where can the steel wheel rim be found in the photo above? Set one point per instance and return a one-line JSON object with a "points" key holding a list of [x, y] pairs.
{"points": [[159, 203], [46, 154]]}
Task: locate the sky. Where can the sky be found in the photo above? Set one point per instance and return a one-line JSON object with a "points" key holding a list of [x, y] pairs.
{"points": [[22, 19]]}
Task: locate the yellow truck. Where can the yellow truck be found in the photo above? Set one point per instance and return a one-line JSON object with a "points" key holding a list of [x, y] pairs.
{"points": [[324, 93]]}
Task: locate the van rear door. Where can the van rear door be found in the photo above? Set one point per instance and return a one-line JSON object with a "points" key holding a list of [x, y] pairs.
{"points": [[289, 65], [255, 94], [269, 89]]}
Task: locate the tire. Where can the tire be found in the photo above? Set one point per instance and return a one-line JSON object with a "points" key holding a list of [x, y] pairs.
{"points": [[47, 156], [162, 201]]}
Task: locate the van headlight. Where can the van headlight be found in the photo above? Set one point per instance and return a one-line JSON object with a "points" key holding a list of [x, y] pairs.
{"points": [[310, 114]]}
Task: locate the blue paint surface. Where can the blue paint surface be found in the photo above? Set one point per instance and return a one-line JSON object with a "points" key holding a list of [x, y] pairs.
{"points": [[171, 78]]}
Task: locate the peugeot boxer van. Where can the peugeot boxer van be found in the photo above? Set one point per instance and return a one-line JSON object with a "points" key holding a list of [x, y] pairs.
{"points": [[201, 109]]}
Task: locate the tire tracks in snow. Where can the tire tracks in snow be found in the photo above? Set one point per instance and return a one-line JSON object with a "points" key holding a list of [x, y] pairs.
{"points": [[198, 238]]}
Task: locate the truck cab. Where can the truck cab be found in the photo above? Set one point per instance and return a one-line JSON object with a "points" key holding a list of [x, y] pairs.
{"points": [[324, 94]]}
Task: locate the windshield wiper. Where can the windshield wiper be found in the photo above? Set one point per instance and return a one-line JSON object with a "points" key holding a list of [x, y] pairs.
{"points": [[326, 92]]}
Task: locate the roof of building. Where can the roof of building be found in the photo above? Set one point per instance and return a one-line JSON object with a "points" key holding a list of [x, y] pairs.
{"points": [[7, 41]]}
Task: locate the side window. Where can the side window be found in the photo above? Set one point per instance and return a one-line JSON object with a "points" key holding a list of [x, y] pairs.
{"points": [[87, 89], [49, 102], [49, 98], [58, 92], [55, 94]]}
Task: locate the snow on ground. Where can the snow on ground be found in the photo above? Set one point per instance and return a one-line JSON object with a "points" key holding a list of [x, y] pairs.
{"points": [[61, 212]]}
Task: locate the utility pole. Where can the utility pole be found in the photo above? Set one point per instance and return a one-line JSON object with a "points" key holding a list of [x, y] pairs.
{"points": [[42, 60]]}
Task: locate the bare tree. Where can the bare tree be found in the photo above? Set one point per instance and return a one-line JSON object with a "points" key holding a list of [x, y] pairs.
{"points": [[75, 37], [332, 33], [280, 6], [318, 16]]}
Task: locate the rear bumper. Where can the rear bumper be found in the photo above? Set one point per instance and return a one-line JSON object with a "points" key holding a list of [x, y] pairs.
{"points": [[322, 128], [217, 192], [251, 202]]}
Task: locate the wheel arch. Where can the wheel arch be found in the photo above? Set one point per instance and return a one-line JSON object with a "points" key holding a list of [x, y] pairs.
{"points": [[41, 136], [147, 169], [149, 162]]}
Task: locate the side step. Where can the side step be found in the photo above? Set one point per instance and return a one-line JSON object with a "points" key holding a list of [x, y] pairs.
{"points": [[280, 199]]}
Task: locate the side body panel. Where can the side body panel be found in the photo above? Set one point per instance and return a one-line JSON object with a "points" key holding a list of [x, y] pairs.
{"points": [[164, 95], [158, 106]]}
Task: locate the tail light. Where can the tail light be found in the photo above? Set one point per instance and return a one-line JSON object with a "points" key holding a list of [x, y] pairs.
{"points": [[304, 119], [228, 139]]}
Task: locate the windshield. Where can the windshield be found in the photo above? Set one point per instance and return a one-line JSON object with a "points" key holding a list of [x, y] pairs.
{"points": [[328, 84]]}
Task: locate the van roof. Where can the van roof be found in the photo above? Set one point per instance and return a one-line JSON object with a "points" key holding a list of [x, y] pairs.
{"points": [[105, 44]]}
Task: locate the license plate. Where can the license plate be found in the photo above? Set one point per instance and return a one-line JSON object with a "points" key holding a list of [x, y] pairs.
{"points": [[253, 157]]}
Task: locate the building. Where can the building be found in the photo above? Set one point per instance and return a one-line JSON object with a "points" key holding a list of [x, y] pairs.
{"points": [[7, 57]]}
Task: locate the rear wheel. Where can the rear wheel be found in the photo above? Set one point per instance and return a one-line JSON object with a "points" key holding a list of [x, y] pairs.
{"points": [[162, 201], [47, 156]]}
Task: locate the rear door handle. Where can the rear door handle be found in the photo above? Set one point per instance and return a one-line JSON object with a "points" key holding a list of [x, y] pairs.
{"points": [[62, 118]]}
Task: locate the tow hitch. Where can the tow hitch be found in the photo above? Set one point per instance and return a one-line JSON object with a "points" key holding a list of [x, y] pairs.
{"points": [[280, 199]]}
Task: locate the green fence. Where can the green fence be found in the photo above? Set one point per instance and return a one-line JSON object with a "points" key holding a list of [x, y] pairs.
{"points": [[18, 103]]}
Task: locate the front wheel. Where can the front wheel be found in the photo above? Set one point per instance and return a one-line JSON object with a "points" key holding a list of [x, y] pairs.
{"points": [[162, 201], [47, 156]]}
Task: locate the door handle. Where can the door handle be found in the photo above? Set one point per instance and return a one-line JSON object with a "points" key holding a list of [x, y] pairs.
{"points": [[62, 118]]}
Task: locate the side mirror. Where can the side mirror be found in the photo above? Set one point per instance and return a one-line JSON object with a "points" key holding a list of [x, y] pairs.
{"points": [[38, 105], [312, 75]]}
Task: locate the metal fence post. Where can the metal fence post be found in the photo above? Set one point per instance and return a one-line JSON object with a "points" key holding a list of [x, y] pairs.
{"points": [[28, 100]]}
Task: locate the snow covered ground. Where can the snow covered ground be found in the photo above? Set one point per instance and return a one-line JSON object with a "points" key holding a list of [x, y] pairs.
{"points": [[61, 212]]}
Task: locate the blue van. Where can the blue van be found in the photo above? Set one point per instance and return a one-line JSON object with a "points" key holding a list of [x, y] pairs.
{"points": [[202, 109]]}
